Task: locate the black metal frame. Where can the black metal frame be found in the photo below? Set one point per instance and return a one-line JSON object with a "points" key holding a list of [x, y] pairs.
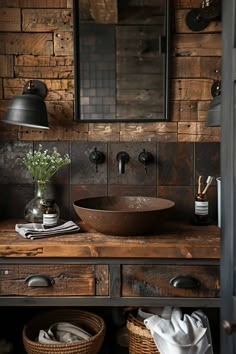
{"points": [[228, 174], [166, 86]]}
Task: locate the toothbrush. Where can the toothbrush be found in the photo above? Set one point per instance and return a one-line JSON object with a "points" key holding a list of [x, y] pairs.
{"points": [[199, 184], [208, 181]]}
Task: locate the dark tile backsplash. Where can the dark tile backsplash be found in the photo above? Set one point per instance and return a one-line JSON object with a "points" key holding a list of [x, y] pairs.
{"points": [[207, 158], [176, 164], [135, 173], [172, 174], [82, 170]]}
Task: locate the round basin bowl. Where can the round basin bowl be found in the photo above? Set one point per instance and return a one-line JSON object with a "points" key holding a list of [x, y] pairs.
{"points": [[124, 215]]}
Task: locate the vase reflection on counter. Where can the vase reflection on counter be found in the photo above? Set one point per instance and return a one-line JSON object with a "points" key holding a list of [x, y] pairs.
{"points": [[35, 208]]}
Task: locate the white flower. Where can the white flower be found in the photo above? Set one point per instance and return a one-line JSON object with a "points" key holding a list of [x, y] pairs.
{"points": [[43, 165]]}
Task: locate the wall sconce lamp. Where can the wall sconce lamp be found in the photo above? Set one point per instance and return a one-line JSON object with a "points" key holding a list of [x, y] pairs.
{"points": [[29, 108], [199, 18], [214, 110]]}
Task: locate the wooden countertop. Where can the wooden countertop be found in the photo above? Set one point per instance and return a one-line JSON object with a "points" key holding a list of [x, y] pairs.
{"points": [[179, 240]]}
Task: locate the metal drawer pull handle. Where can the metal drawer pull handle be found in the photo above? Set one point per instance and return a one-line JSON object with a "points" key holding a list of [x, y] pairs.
{"points": [[184, 282], [39, 280]]}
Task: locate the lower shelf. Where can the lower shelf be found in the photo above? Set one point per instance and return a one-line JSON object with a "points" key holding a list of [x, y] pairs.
{"points": [[20, 315]]}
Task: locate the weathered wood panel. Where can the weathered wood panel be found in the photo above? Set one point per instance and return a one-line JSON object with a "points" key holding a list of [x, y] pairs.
{"points": [[174, 111], [187, 128], [43, 20], [203, 130], [53, 95], [63, 43], [36, 3], [6, 66], [68, 132], [26, 43], [197, 44], [158, 127], [8, 132], [149, 132], [181, 27], [210, 67], [196, 128], [3, 106], [68, 280], [202, 110], [102, 280], [198, 138], [151, 136], [10, 19], [188, 111], [103, 132], [153, 280], [60, 113], [191, 89], [197, 131], [40, 72], [1, 90], [179, 240], [206, 138], [43, 60], [18, 83], [186, 67], [14, 86]]}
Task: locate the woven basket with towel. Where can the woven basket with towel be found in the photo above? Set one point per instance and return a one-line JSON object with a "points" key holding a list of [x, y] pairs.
{"points": [[91, 331]]}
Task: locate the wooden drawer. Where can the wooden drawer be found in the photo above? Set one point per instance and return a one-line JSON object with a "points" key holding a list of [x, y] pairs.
{"points": [[170, 280], [54, 280]]}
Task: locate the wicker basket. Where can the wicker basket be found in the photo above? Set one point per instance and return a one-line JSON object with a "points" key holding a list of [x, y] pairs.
{"points": [[87, 320], [140, 338]]}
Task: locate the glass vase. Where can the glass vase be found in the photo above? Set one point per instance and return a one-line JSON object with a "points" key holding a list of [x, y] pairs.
{"points": [[34, 209]]}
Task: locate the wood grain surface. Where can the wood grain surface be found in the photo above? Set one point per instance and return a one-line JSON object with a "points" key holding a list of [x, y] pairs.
{"points": [[178, 240]]}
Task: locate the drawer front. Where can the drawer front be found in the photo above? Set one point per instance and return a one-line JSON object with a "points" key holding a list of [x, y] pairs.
{"points": [[54, 280], [170, 280]]}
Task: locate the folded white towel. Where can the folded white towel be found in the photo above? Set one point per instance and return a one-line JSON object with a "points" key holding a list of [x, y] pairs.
{"points": [[33, 231], [62, 332], [177, 334]]}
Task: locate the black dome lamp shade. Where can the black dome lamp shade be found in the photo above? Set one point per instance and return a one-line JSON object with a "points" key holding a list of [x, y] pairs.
{"points": [[29, 109]]}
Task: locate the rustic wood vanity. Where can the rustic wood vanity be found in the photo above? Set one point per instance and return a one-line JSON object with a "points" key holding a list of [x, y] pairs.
{"points": [[178, 266]]}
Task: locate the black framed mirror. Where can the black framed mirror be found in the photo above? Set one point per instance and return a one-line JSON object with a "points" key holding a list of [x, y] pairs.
{"points": [[121, 56]]}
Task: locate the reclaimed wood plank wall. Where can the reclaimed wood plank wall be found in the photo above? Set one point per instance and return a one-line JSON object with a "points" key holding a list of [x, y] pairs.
{"points": [[36, 43]]}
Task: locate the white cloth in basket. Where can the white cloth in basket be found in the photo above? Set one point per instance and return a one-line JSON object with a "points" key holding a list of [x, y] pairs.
{"points": [[180, 334], [62, 332]]}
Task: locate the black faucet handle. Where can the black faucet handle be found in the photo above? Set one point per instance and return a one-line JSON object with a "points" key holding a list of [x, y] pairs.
{"points": [[145, 158], [97, 157]]}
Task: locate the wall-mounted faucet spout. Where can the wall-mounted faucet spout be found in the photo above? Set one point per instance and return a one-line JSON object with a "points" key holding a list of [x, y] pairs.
{"points": [[122, 158]]}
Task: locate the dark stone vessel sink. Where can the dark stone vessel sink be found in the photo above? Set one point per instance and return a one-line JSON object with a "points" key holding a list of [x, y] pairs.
{"points": [[124, 215]]}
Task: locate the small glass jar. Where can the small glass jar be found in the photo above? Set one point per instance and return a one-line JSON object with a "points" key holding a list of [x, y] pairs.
{"points": [[51, 213]]}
